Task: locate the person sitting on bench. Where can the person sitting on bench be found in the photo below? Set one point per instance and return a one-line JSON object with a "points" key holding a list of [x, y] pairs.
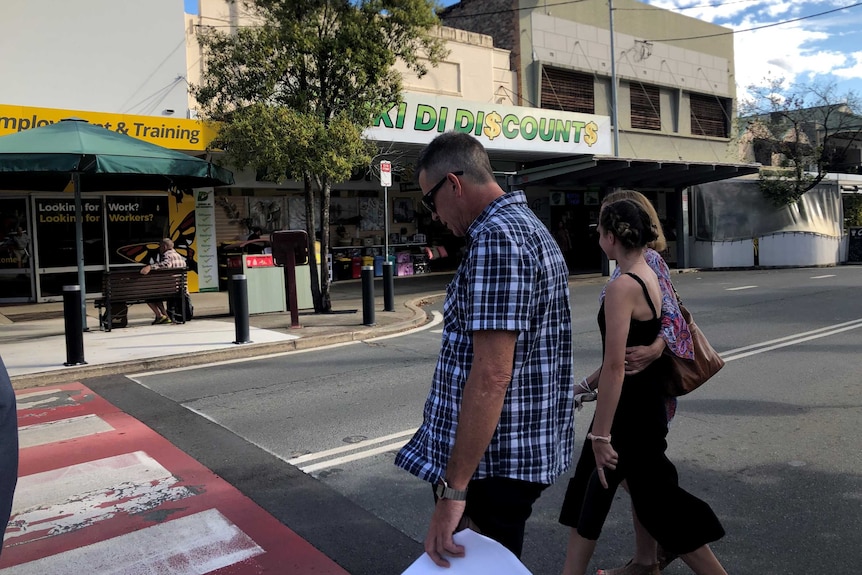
{"points": [[168, 258]]}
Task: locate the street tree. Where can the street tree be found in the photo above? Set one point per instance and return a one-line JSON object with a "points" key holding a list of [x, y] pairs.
{"points": [[295, 88], [800, 133]]}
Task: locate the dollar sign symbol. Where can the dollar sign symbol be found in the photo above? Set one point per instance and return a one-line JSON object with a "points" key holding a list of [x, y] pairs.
{"points": [[492, 125], [591, 133]]}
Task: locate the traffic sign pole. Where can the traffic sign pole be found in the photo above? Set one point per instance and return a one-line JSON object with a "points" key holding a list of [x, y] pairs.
{"points": [[388, 281]]}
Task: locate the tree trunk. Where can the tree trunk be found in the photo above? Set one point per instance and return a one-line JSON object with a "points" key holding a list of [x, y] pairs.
{"points": [[309, 229], [325, 193]]}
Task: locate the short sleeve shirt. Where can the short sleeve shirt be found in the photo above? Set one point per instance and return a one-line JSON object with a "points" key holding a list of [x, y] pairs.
{"points": [[513, 278], [169, 259]]}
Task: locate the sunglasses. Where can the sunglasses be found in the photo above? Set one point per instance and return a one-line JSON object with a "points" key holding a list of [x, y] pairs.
{"points": [[428, 198]]}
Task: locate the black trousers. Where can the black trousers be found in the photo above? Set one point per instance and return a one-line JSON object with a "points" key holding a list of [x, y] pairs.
{"points": [[500, 507]]}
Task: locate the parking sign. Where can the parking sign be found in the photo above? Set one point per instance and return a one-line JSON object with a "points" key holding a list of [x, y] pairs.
{"points": [[385, 173]]}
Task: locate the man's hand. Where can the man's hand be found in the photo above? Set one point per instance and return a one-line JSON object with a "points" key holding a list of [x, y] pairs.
{"points": [[444, 521], [640, 356], [145, 270]]}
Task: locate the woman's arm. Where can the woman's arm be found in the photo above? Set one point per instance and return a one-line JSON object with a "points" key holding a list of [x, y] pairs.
{"points": [[619, 306]]}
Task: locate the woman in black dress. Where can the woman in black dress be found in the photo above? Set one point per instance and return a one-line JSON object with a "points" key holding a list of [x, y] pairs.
{"points": [[627, 436]]}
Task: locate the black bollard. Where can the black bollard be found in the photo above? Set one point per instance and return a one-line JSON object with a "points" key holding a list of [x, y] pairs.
{"points": [[367, 295], [388, 286], [74, 325], [240, 308]]}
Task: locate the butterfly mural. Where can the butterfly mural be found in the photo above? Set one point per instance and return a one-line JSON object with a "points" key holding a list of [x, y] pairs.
{"points": [[183, 236]]}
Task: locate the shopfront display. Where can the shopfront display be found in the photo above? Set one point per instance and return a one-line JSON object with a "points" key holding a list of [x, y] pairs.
{"points": [[16, 251]]}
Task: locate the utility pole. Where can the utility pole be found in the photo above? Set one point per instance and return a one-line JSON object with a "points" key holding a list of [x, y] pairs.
{"points": [[614, 114]]}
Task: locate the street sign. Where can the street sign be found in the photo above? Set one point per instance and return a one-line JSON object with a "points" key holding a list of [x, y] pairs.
{"points": [[385, 173]]}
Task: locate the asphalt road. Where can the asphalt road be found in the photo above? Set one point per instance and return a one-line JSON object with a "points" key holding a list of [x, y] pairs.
{"points": [[771, 443]]}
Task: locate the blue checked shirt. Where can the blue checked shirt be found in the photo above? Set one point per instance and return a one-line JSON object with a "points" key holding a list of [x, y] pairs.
{"points": [[512, 278]]}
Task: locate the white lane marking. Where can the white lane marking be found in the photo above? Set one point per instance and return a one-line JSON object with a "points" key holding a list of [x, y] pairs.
{"points": [[729, 355], [61, 430], [792, 342], [791, 337], [354, 457], [134, 376], [192, 545], [61, 484], [352, 447], [436, 331], [740, 288], [437, 318], [824, 276]]}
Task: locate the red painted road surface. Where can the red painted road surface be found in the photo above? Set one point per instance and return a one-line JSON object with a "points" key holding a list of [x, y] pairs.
{"points": [[100, 492]]}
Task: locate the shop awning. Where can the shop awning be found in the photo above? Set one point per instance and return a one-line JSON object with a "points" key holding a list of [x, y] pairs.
{"points": [[589, 171]]}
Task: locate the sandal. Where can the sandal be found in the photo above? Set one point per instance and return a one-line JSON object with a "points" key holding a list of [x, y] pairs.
{"points": [[632, 568]]}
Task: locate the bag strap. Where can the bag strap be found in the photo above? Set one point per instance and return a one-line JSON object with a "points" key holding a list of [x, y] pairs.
{"points": [[646, 293]]}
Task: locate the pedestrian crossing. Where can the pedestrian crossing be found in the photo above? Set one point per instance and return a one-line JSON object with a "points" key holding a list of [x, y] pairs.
{"points": [[100, 492]]}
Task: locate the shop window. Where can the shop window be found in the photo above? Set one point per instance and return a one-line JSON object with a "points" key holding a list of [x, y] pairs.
{"points": [[645, 106], [567, 91], [135, 225], [55, 232], [710, 116]]}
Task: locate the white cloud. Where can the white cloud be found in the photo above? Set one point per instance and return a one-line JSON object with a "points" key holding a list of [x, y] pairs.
{"points": [[853, 72], [798, 51]]}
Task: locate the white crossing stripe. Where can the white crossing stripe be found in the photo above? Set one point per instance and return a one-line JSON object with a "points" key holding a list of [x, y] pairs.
{"points": [[59, 485], [823, 276], [61, 430], [192, 545], [740, 288]]}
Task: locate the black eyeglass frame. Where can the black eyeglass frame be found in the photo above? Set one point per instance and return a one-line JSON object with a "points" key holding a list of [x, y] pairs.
{"points": [[428, 197]]}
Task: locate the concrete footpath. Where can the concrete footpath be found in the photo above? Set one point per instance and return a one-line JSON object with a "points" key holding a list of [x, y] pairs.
{"points": [[33, 342]]}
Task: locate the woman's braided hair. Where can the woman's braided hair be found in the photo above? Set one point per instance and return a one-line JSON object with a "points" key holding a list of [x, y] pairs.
{"points": [[629, 223]]}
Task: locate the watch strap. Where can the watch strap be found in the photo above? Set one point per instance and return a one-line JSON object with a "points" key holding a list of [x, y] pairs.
{"points": [[443, 491]]}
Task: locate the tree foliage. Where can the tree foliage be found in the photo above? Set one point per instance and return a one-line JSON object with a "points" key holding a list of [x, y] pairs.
{"points": [[296, 87], [800, 133]]}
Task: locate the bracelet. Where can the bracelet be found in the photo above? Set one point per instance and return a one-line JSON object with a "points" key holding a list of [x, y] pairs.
{"points": [[601, 438], [585, 385]]}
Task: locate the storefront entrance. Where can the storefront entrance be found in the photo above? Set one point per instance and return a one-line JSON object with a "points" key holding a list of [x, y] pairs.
{"points": [[16, 261], [39, 241]]}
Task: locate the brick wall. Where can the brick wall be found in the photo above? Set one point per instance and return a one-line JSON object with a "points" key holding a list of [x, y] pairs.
{"points": [[499, 19], [496, 18]]}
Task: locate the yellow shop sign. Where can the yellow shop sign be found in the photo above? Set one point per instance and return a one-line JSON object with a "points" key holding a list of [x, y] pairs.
{"points": [[178, 134]]}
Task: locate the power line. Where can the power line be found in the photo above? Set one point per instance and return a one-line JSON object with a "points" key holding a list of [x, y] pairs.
{"points": [[758, 27], [692, 7]]}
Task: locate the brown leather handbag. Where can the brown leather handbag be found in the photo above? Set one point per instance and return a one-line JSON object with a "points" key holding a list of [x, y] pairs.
{"points": [[686, 375]]}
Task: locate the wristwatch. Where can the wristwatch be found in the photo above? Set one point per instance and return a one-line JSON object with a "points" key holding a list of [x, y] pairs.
{"points": [[443, 491]]}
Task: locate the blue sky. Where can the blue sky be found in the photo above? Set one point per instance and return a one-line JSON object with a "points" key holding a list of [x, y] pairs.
{"points": [[814, 49]]}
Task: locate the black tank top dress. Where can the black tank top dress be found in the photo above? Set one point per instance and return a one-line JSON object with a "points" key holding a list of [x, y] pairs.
{"points": [[679, 521]]}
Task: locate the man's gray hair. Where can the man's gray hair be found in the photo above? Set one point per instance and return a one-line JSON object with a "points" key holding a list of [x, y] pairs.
{"points": [[168, 243], [452, 151]]}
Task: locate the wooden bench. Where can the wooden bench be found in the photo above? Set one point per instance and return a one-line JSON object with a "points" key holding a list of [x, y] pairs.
{"points": [[122, 288]]}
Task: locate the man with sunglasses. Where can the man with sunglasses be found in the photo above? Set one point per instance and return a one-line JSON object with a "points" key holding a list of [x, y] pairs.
{"points": [[499, 417]]}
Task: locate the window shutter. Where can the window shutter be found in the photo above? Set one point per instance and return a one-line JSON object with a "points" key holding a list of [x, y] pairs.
{"points": [[567, 91], [708, 116], [646, 107]]}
